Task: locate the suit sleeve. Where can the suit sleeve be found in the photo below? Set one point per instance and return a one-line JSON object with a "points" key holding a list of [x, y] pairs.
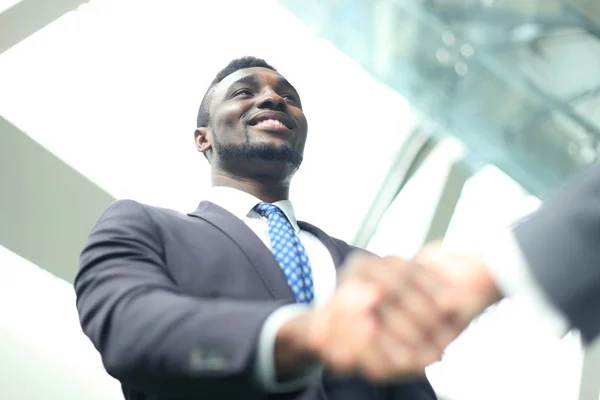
{"points": [[561, 244], [152, 337], [419, 389]]}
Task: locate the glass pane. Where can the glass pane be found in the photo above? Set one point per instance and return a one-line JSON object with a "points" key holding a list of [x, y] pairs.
{"points": [[404, 225]]}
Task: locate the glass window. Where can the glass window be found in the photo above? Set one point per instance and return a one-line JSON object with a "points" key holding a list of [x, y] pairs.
{"points": [[403, 227]]}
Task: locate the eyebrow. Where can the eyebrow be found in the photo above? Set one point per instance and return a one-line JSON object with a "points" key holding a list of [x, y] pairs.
{"points": [[246, 80], [281, 81], [252, 80]]}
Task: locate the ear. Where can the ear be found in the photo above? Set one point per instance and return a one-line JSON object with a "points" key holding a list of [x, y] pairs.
{"points": [[203, 139]]}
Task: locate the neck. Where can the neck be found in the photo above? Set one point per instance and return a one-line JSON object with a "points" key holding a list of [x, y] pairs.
{"points": [[267, 191]]}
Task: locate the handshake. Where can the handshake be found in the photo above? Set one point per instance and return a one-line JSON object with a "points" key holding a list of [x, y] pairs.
{"points": [[389, 318]]}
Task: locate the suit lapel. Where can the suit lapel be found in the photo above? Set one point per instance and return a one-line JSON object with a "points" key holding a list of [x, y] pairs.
{"points": [[258, 255], [327, 241]]}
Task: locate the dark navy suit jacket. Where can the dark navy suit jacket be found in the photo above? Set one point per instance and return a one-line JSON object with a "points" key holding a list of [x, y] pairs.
{"points": [[561, 245], [175, 304]]}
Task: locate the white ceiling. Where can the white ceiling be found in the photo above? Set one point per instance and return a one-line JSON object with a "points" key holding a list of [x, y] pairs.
{"points": [[41, 340], [113, 89]]}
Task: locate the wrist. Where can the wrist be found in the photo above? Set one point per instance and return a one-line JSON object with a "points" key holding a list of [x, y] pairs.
{"points": [[487, 284], [294, 352]]}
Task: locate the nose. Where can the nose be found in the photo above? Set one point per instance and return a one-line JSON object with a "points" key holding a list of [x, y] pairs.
{"points": [[271, 100]]}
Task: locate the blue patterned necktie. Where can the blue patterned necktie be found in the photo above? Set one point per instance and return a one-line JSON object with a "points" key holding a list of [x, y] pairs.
{"points": [[289, 252]]}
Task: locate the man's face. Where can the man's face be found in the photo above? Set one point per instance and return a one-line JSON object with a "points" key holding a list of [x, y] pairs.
{"points": [[255, 116]]}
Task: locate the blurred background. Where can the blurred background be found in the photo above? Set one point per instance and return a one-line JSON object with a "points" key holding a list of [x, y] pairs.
{"points": [[435, 118]]}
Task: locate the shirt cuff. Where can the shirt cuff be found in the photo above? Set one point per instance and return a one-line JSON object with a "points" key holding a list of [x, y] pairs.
{"points": [[511, 272], [265, 361]]}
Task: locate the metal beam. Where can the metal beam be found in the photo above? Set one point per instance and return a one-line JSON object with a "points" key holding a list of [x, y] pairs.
{"points": [[47, 208], [512, 18], [589, 387], [543, 112], [455, 182], [28, 16], [587, 13], [413, 152]]}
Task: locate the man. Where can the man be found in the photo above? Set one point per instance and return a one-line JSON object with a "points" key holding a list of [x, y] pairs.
{"points": [[551, 259], [238, 299]]}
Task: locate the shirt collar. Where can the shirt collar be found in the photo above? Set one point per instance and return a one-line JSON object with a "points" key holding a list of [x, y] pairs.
{"points": [[241, 204]]}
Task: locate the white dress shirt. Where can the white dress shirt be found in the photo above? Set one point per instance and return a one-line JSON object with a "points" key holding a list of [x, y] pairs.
{"points": [[241, 205], [514, 279]]}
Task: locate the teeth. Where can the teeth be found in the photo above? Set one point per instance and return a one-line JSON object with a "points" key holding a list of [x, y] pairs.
{"points": [[270, 121]]}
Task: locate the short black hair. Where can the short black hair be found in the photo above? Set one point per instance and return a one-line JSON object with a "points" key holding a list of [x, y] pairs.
{"points": [[234, 65]]}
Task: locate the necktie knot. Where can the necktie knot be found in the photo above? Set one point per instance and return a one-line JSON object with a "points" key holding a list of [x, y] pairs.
{"points": [[267, 209]]}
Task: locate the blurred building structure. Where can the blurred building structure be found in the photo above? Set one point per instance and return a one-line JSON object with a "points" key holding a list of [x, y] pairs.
{"points": [[437, 118]]}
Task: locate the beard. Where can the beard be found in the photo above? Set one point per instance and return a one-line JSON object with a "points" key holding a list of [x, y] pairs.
{"points": [[258, 151]]}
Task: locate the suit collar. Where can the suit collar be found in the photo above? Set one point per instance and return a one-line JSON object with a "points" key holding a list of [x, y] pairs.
{"points": [[232, 222], [327, 241], [241, 204], [259, 255]]}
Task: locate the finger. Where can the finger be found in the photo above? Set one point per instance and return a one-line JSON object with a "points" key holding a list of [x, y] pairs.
{"points": [[351, 306], [421, 300], [444, 336], [399, 325], [402, 329], [413, 310], [356, 261], [388, 359], [349, 340], [430, 282], [429, 353], [455, 318], [395, 276], [357, 296], [345, 351], [400, 356], [374, 363], [422, 318], [438, 263], [389, 275], [448, 297]]}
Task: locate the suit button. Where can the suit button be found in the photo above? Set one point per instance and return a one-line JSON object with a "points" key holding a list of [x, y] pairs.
{"points": [[207, 361]]}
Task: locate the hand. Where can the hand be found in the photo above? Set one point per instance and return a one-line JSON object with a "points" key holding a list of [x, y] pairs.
{"points": [[378, 321], [469, 286]]}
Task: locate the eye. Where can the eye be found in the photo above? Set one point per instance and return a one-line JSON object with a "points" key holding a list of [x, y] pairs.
{"points": [[242, 92], [289, 97]]}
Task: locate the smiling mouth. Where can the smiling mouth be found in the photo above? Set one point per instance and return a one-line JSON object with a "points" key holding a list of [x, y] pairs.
{"points": [[272, 121], [271, 124]]}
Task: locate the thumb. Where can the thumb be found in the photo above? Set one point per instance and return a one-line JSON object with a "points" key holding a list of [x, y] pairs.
{"points": [[431, 248], [434, 260]]}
